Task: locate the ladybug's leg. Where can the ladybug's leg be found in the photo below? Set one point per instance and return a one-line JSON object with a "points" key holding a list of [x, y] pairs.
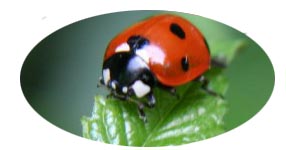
{"points": [[220, 63], [173, 91], [170, 89], [141, 112], [140, 107], [101, 82], [151, 99], [119, 97], [205, 86]]}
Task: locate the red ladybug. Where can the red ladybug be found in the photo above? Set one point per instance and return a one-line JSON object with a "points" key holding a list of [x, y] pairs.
{"points": [[164, 50]]}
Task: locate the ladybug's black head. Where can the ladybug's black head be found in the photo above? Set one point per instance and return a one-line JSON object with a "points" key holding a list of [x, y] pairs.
{"points": [[125, 73]]}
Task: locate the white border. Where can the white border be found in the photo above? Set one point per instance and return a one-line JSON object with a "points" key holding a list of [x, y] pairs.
{"points": [[25, 23]]}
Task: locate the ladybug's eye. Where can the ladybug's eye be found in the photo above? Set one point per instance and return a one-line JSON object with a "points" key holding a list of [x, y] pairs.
{"points": [[177, 30]]}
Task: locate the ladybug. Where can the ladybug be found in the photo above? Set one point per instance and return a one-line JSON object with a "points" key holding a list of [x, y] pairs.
{"points": [[164, 51]]}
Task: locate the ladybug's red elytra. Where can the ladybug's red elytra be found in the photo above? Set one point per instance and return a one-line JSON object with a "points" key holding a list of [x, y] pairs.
{"points": [[164, 50]]}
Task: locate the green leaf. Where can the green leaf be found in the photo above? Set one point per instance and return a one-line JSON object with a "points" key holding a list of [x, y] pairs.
{"points": [[193, 116]]}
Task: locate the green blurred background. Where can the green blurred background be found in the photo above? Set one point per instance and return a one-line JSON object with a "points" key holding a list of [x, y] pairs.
{"points": [[60, 75]]}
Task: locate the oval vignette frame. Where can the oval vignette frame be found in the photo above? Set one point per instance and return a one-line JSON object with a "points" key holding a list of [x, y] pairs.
{"points": [[60, 74]]}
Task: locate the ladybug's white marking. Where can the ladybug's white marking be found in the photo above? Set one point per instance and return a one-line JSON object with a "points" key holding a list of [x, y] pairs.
{"points": [[136, 62], [140, 89], [125, 89], [151, 50], [124, 47], [143, 54], [113, 85], [106, 75]]}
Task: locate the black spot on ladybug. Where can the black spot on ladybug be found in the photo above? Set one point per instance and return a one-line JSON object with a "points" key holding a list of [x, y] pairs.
{"points": [[177, 30], [185, 63], [137, 42]]}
